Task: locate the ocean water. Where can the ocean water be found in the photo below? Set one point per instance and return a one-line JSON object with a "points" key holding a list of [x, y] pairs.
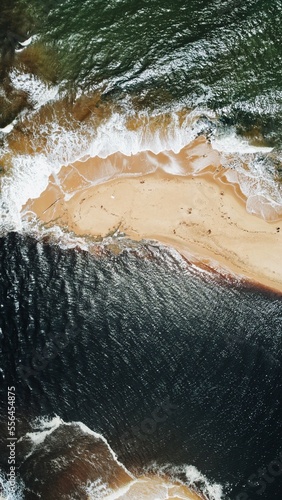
{"points": [[223, 55], [88, 79], [135, 365], [112, 341]]}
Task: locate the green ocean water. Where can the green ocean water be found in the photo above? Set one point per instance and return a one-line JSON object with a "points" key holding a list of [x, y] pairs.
{"points": [[221, 55]]}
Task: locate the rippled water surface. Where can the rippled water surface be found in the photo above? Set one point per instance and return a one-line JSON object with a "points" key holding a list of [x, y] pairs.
{"points": [[137, 352], [224, 55], [113, 341]]}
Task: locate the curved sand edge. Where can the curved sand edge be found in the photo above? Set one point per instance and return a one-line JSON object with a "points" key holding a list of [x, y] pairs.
{"points": [[199, 216]]}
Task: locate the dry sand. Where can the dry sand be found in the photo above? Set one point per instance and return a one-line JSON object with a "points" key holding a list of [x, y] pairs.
{"points": [[199, 215]]}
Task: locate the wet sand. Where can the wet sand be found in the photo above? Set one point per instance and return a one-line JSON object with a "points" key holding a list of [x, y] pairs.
{"points": [[202, 216], [156, 487]]}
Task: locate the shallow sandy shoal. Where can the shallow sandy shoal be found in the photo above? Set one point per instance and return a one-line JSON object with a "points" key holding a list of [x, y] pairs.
{"points": [[198, 215]]}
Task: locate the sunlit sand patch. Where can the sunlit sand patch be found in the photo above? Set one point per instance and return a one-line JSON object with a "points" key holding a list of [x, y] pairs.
{"points": [[200, 215], [152, 488], [197, 157], [180, 196]]}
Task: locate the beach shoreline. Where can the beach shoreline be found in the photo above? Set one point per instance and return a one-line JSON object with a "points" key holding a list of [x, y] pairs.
{"points": [[201, 216]]}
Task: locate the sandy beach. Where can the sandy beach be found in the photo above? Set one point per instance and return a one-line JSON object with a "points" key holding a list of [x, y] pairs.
{"points": [[200, 215], [156, 487]]}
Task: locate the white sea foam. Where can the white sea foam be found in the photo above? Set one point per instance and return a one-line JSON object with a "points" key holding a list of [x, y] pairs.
{"points": [[30, 173], [7, 492], [8, 128], [256, 177], [213, 491], [113, 136], [26, 43], [231, 143], [194, 479], [248, 166], [86, 430], [39, 93], [166, 478], [46, 426], [97, 489], [28, 178], [100, 489]]}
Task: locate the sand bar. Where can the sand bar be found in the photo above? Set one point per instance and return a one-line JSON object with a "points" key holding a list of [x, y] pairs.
{"points": [[153, 487], [198, 215]]}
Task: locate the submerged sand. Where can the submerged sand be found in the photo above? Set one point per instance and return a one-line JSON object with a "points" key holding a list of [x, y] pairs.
{"points": [[202, 216]]}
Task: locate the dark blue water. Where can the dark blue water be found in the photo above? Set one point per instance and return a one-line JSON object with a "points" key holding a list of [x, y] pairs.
{"points": [[112, 340]]}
